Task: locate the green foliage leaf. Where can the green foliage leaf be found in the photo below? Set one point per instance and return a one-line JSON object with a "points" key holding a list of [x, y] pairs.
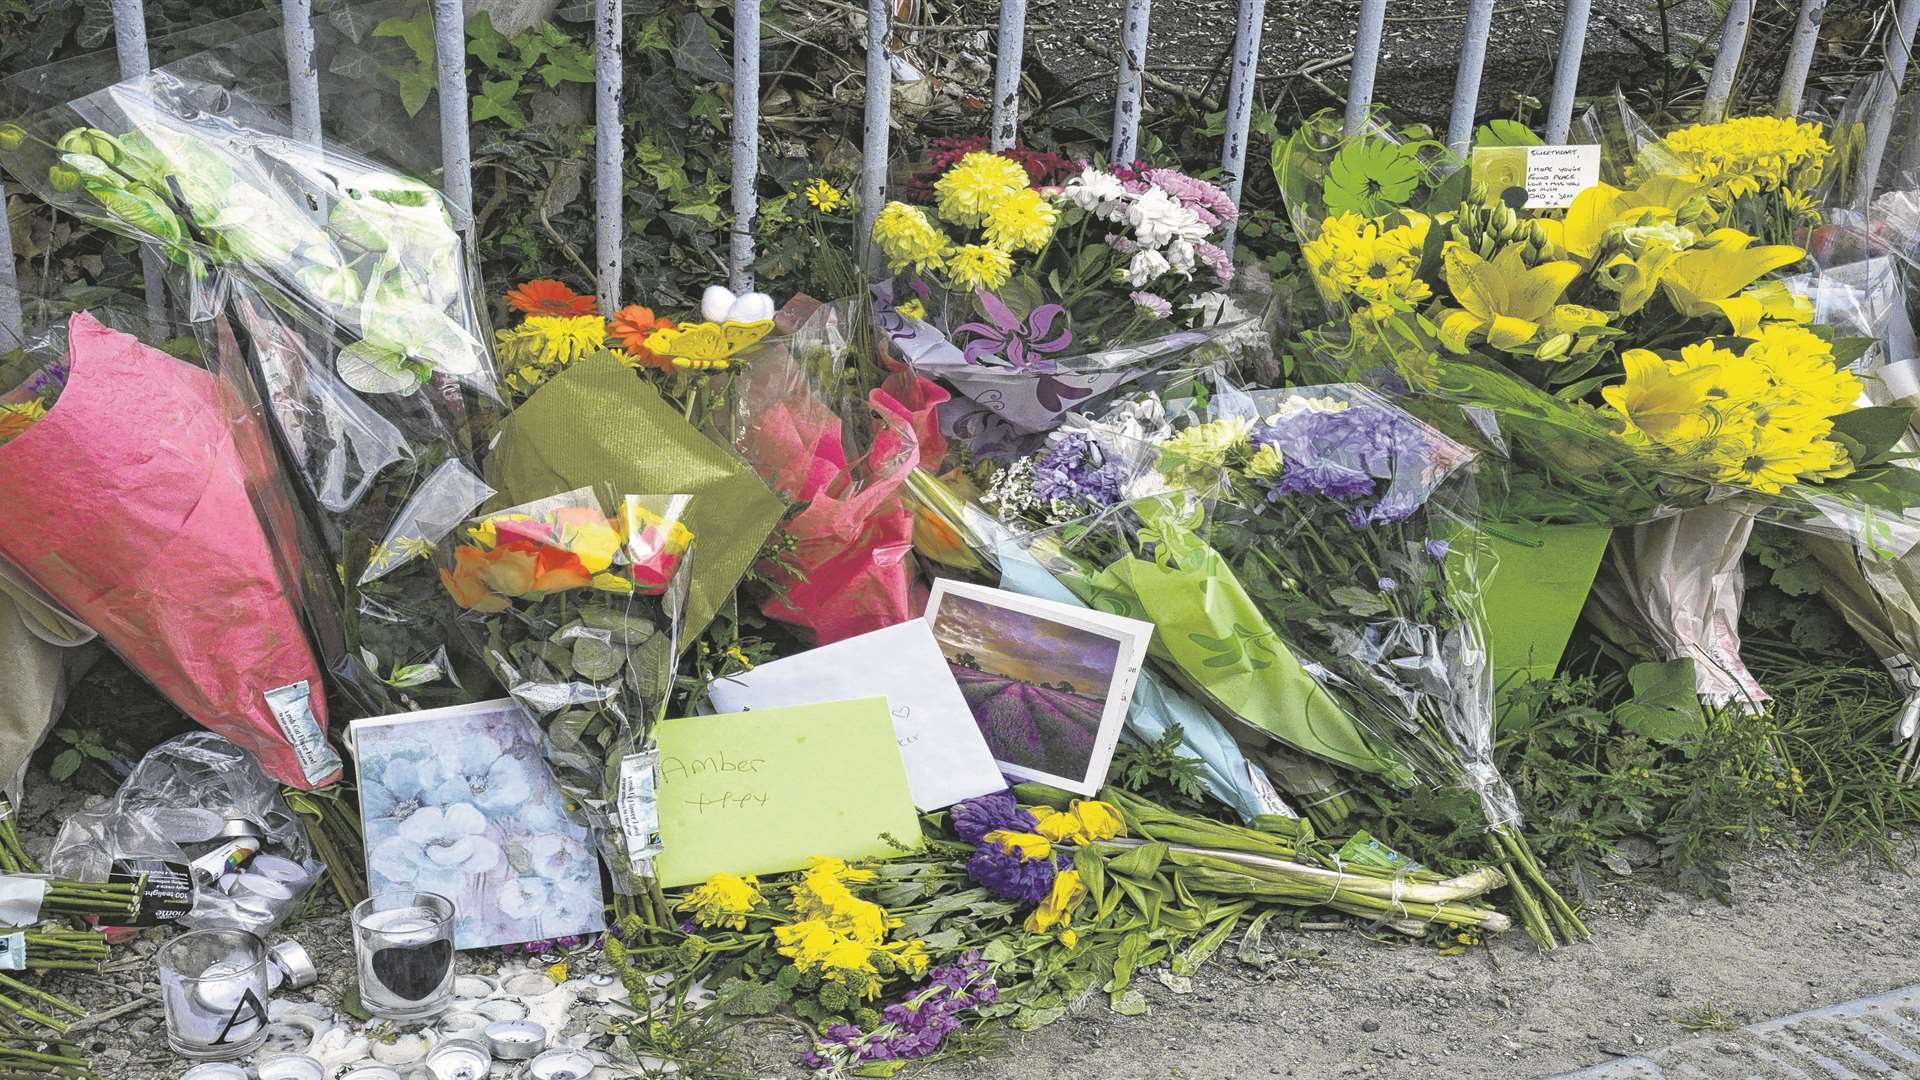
{"points": [[66, 764], [1665, 707], [1371, 177], [1877, 429], [1506, 133], [495, 101], [1359, 601]]}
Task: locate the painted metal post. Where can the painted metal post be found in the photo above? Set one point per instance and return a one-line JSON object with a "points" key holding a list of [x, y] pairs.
{"points": [[1733, 44], [1011, 45], [303, 78], [873, 175], [1466, 84], [1880, 121], [1793, 80], [1250, 20], [1366, 63], [608, 134], [450, 65], [12, 322], [1133, 65], [746, 140], [1566, 71], [130, 41]]}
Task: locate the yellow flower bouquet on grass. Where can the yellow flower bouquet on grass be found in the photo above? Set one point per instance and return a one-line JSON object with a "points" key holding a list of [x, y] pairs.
{"points": [[1032, 299]]}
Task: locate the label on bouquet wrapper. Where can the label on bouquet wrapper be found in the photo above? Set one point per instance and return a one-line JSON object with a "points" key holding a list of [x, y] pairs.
{"points": [[13, 951], [1269, 796], [1551, 176], [639, 806], [292, 707], [166, 890]]}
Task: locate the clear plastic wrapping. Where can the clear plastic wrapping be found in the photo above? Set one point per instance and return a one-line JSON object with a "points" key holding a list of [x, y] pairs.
{"points": [[336, 299], [199, 816], [577, 602]]}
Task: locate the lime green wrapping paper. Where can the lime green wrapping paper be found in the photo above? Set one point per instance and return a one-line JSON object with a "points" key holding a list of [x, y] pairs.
{"points": [[1213, 632], [597, 424], [1533, 595]]}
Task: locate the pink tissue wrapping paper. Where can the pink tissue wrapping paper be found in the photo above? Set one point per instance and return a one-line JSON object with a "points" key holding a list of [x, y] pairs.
{"points": [[128, 502], [854, 541]]}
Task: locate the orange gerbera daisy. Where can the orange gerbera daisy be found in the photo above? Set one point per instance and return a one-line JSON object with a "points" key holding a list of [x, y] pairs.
{"points": [[549, 297], [631, 325]]}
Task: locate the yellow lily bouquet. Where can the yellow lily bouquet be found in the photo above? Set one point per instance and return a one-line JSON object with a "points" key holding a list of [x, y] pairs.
{"points": [[1636, 349]]}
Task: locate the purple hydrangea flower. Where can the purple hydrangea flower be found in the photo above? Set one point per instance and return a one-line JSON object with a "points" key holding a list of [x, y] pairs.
{"points": [[1072, 473], [975, 818]]}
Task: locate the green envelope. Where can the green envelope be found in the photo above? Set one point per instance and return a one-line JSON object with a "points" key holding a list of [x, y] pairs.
{"points": [[599, 425], [764, 791], [1534, 594]]}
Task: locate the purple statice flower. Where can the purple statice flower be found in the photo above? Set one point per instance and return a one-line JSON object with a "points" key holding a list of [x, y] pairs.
{"points": [[1073, 479], [1437, 548], [1209, 202], [1010, 875], [1157, 306], [1216, 259], [914, 1027], [975, 818]]}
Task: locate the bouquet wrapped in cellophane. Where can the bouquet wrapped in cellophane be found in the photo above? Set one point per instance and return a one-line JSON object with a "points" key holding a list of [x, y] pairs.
{"points": [[337, 298], [1310, 571], [1033, 301], [577, 603], [1629, 355]]}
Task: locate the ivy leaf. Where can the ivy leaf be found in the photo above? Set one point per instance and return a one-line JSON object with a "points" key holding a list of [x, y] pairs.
{"points": [[415, 86], [416, 32], [1370, 177], [495, 101], [484, 43]]}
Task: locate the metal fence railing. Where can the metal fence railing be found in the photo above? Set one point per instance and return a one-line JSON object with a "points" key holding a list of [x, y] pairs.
{"points": [[450, 40]]}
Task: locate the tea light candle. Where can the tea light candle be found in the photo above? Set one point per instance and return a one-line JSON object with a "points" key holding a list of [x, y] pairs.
{"points": [[216, 999], [561, 1065], [516, 1040], [459, 1059], [372, 1072], [215, 1070], [291, 1067]]}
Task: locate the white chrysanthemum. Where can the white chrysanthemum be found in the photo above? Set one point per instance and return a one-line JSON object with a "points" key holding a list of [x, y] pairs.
{"points": [[1158, 219], [1147, 265], [1294, 406], [1093, 188]]}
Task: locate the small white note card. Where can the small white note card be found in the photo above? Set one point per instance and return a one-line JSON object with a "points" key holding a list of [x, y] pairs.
{"points": [[946, 757], [1551, 175]]}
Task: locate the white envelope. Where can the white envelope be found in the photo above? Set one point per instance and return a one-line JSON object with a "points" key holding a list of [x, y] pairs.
{"points": [[946, 757]]}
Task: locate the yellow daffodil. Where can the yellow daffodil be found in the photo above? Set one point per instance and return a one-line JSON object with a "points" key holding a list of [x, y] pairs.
{"points": [[724, 900], [1710, 279], [1083, 822], [1062, 900], [1503, 299]]}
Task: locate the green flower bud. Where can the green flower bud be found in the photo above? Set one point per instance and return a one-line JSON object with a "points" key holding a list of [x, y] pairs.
{"points": [[1554, 347], [91, 141], [11, 136], [63, 177]]}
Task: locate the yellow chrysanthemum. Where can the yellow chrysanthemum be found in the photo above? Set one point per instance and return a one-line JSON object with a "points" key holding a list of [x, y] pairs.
{"points": [[1372, 261], [725, 900], [542, 345], [912, 309], [1023, 221], [824, 196], [909, 239], [1195, 457], [1770, 151], [966, 192], [1771, 457], [1799, 370], [977, 266]]}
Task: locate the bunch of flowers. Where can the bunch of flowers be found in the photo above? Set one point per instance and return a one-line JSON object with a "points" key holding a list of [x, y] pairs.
{"points": [[1071, 478], [1027, 854], [826, 930], [1760, 173], [1043, 166], [561, 328], [21, 407], [913, 1027], [577, 613]]}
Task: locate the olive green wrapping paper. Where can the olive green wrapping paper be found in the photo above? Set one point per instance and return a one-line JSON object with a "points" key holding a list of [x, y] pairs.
{"points": [[598, 425]]}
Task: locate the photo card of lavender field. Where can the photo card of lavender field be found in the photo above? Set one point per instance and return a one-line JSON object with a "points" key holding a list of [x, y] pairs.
{"points": [[1048, 683]]}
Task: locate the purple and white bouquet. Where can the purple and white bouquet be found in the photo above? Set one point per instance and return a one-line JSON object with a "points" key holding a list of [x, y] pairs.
{"points": [[1033, 301]]}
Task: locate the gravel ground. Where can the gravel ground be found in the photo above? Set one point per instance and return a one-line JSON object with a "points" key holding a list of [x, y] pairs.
{"points": [[1803, 932]]}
